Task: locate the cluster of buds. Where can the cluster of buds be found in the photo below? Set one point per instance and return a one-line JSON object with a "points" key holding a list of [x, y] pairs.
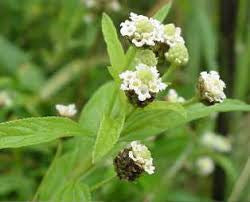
{"points": [[210, 87], [142, 85], [216, 142], [131, 162], [147, 32], [66, 110]]}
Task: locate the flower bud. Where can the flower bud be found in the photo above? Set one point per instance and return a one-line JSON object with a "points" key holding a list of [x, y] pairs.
{"points": [[131, 162], [146, 57], [177, 54], [67, 111], [210, 87], [205, 166]]}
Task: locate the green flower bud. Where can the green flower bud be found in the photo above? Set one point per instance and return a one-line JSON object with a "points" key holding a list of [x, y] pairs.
{"points": [[146, 57], [177, 54]]}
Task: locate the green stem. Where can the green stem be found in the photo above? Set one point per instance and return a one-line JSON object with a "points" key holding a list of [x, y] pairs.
{"points": [[169, 72], [193, 100], [241, 183], [98, 185]]}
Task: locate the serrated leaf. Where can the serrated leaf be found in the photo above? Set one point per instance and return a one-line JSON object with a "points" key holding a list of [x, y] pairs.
{"points": [[99, 104], [108, 135], [74, 192], [137, 125], [32, 131], [115, 50], [153, 119], [163, 12]]}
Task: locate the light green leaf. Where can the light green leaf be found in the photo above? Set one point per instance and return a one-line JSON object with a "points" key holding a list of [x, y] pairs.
{"points": [[74, 192], [163, 12], [153, 119], [100, 103], [115, 50], [32, 131], [108, 135], [137, 125]]}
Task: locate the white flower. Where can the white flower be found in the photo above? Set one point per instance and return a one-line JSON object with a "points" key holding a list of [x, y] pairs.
{"points": [[144, 81], [142, 30], [205, 166], [211, 87], [67, 111], [172, 96], [5, 99], [115, 6], [142, 156], [172, 35], [216, 142]]}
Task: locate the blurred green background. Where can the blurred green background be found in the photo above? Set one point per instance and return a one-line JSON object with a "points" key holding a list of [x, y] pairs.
{"points": [[52, 51]]}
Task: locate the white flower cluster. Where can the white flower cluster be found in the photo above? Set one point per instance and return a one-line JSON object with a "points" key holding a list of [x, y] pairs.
{"points": [[66, 110], [142, 157], [143, 81], [142, 30], [211, 87], [216, 142], [205, 166], [173, 96]]}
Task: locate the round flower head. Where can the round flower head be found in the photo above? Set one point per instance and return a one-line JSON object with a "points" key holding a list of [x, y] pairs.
{"points": [[142, 30], [172, 96], [216, 142], [67, 111], [177, 54], [211, 87], [205, 166], [172, 35], [142, 84], [131, 162], [146, 57]]}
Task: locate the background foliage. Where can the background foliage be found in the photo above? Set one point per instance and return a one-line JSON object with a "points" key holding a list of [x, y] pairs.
{"points": [[53, 52]]}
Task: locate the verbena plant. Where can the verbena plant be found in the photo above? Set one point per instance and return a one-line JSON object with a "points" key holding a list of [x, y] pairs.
{"points": [[111, 119]]}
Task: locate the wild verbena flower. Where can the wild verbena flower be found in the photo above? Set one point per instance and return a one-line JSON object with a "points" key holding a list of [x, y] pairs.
{"points": [[211, 87], [205, 166], [177, 54], [172, 35], [66, 110], [216, 142], [142, 30], [173, 96], [142, 84], [131, 162]]}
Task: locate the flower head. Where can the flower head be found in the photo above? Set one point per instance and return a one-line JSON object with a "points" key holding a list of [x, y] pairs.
{"points": [[144, 82], [173, 96], [142, 30], [211, 87], [205, 166], [131, 162], [177, 54], [172, 35], [216, 142], [67, 111]]}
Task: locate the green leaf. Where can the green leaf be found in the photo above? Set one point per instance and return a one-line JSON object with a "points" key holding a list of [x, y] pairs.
{"points": [[108, 135], [115, 50], [153, 119], [59, 172], [163, 12], [74, 192], [172, 116], [32, 131], [100, 103]]}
